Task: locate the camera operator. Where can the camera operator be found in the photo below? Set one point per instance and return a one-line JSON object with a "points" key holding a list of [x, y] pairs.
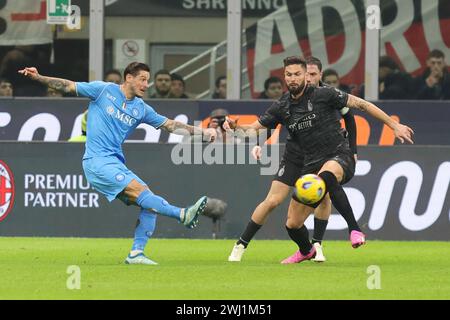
{"points": [[217, 119]]}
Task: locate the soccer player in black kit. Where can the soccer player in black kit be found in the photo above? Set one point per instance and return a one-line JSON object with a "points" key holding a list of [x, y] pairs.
{"points": [[289, 171], [309, 114]]}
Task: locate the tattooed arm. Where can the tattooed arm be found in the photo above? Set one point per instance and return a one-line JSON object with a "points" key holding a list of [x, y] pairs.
{"points": [[178, 127], [63, 85], [401, 131]]}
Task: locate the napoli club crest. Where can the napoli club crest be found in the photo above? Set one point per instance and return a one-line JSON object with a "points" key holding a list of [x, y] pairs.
{"points": [[6, 190], [135, 112]]}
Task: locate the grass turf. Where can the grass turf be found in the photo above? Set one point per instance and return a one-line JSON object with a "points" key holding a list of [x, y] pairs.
{"points": [[36, 268]]}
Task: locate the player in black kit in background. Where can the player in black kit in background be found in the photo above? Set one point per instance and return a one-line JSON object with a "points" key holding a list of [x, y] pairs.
{"points": [[310, 117]]}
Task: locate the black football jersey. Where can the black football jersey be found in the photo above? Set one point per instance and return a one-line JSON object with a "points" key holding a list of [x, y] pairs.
{"points": [[312, 121]]}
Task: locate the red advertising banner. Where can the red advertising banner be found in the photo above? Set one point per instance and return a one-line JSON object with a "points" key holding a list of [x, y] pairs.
{"points": [[334, 31]]}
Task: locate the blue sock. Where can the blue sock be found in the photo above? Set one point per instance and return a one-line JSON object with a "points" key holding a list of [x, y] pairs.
{"points": [[148, 200], [144, 229]]}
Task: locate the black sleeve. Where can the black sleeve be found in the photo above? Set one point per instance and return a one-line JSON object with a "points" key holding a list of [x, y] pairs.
{"points": [[270, 118], [336, 98], [350, 126]]}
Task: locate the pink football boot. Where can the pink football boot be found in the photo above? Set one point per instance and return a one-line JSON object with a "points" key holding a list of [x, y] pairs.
{"points": [[297, 257], [357, 238]]}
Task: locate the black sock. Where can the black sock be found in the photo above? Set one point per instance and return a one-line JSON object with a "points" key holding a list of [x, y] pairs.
{"points": [[339, 199], [301, 238], [319, 230], [249, 233]]}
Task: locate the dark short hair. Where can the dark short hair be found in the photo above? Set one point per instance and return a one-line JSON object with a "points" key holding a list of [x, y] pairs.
{"points": [[388, 62], [219, 113], [438, 54], [163, 71], [220, 79], [329, 72], [294, 60], [314, 61], [113, 71], [271, 80], [4, 80], [177, 77], [134, 68]]}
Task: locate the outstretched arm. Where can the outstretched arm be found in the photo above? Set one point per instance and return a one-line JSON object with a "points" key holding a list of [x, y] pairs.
{"points": [[178, 127], [401, 131], [63, 85], [246, 129]]}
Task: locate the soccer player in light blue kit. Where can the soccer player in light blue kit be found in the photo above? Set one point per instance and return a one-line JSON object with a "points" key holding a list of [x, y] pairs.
{"points": [[114, 112]]}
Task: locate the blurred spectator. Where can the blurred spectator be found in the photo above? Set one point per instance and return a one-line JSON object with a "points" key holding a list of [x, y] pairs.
{"points": [[331, 78], [178, 86], [434, 83], [114, 76], [52, 93], [6, 88], [220, 91], [313, 71], [273, 89], [24, 56], [393, 83], [163, 82]]}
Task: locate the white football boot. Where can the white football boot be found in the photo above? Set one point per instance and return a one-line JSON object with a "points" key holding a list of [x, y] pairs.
{"points": [[319, 253], [236, 253], [140, 258]]}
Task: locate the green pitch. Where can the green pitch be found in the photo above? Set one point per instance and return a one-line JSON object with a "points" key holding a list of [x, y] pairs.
{"points": [[36, 268]]}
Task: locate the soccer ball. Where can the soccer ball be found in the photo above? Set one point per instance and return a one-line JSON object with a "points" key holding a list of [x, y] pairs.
{"points": [[310, 189]]}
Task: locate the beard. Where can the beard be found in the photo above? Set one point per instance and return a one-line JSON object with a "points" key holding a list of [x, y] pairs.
{"points": [[297, 89], [163, 92]]}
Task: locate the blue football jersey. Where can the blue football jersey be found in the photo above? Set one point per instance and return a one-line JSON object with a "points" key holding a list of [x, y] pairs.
{"points": [[112, 118]]}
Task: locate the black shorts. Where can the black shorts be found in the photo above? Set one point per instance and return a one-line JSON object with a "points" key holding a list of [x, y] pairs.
{"points": [[288, 172], [342, 156]]}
